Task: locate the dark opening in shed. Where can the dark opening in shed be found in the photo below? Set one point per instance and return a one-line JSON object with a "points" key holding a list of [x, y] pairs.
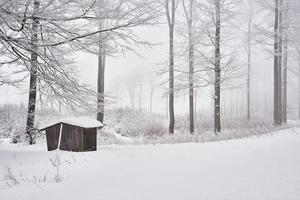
{"points": [[76, 134]]}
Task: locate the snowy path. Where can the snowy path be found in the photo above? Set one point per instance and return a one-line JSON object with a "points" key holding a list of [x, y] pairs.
{"points": [[259, 168]]}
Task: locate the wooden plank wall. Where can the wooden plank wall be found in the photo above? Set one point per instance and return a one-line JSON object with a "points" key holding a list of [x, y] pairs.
{"points": [[90, 139], [72, 138], [52, 136]]}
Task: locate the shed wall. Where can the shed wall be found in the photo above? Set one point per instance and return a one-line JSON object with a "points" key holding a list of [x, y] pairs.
{"points": [[90, 139], [52, 136], [72, 138]]}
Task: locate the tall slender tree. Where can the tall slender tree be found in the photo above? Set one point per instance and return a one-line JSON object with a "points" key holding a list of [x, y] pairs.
{"points": [[277, 66], [189, 14], [170, 13], [249, 54], [217, 70], [298, 77], [299, 84], [101, 75], [285, 61]]}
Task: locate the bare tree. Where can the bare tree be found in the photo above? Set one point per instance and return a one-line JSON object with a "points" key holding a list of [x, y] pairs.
{"points": [[285, 59], [217, 95], [101, 76], [278, 63], [249, 40], [216, 68], [170, 13], [189, 14], [122, 40]]}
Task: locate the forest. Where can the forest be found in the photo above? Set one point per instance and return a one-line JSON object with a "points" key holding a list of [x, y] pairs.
{"points": [[210, 76]]}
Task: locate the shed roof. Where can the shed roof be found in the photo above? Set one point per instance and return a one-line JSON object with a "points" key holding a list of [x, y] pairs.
{"points": [[75, 121]]}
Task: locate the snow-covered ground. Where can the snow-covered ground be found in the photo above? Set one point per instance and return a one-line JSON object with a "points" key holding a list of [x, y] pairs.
{"points": [[257, 168]]}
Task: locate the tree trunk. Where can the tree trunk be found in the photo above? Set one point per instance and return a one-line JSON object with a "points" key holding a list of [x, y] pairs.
{"points": [[33, 75], [132, 97], [217, 84], [299, 85], [171, 84], [167, 107], [285, 66], [151, 99], [280, 58], [284, 87], [195, 108], [249, 67], [171, 23], [277, 67], [299, 90], [101, 78], [191, 67]]}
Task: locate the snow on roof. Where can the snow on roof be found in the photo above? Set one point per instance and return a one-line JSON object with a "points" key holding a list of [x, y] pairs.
{"points": [[75, 121]]}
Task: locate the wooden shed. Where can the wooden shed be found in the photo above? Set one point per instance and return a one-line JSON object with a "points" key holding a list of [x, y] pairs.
{"points": [[72, 134]]}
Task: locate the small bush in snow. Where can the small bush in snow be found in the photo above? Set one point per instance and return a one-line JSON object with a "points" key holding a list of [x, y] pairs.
{"points": [[9, 177], [131, 123], [56, 162]]}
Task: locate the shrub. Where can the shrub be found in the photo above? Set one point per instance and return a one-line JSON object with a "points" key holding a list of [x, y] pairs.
{"points": [[132, 123]]}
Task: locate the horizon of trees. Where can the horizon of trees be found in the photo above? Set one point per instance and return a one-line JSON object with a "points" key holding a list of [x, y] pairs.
{"points": [[38, 37]]}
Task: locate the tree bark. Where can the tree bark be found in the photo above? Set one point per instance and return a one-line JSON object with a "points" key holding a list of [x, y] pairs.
{"points": [[284, 87], [280, 59], [33, 75], [191, 66], [298, 56], [249, 65], [277, 67], [299, 84], [217, 84], [285, 66], [167, 107], [171, 23], [101, 77], [195, 108], [151, 98]]}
